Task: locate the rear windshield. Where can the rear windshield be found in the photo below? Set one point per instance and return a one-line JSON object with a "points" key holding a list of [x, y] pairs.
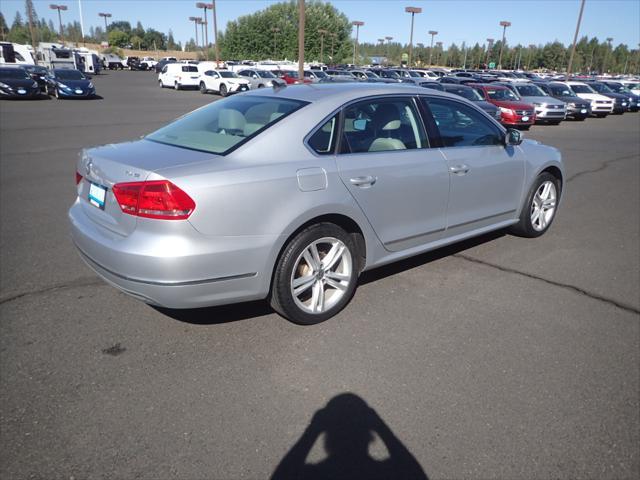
{"points": [[265, 74], [468, 93], [17, 73], [223, 125], [190, 68]]}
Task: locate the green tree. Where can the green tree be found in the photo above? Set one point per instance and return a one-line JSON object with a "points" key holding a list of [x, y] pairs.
{"points": [[251, 36], [153, 39], [118, 38], [4, 29], [171, 43]]}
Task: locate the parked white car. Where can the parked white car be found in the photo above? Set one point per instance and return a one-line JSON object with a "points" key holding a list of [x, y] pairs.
{"points": [[633, 85], [258, 78], [179, 76], [149, 61], [223, 82], [601, 106]]}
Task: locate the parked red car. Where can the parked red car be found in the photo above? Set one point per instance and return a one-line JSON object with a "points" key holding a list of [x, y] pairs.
{"points": [[514, 112], [289, 76]]}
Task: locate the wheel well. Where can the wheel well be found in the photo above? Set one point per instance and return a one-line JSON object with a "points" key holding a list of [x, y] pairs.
{"points": [[344, 222], [555, 171]]}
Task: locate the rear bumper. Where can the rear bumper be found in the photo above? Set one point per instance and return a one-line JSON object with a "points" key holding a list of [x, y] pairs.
{"points": [[180, 268]]}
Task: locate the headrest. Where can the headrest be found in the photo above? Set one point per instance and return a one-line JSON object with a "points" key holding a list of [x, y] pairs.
{"points": [[231, 119], [392, 125]]}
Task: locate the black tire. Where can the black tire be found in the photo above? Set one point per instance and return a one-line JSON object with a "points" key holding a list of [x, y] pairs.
{"points": [[177, 86], [601, 115], [260, 85], [579, 119], [282, 299], [524, 227], [223, 90], [203, 88], [57, 94], [160, 83]]}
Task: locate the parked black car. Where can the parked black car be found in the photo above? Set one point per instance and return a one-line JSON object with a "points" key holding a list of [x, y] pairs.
{"points": [[134, 64], [15, 82], [472, 95], [39, 74], [634, 100], [68, 83], [577, 108], [621, 102], [160, 65]]}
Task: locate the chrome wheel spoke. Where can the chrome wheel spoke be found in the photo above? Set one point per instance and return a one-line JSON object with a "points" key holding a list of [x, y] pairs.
{"points": [[333, 257], [310, 259], [302, 284], [317, 299], [337, 276], [543, 206], [335, 284]]}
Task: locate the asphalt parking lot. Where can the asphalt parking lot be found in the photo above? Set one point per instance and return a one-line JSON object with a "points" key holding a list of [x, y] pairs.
{"points": [[501, 357]]}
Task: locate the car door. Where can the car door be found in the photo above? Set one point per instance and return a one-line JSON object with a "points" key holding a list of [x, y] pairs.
{"points": [[399, 182], [486, 177]]}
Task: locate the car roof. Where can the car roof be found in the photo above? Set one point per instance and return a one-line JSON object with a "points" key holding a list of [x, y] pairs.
{"points": [[343, 92], [490, 85]]}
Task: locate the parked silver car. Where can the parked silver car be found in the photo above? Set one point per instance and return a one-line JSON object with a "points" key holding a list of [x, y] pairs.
{"points": [[290, 193], [259, 78], [548, 109]]}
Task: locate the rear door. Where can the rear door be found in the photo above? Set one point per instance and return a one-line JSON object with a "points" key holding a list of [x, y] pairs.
{"points": [[400, 183], [486, 177]]}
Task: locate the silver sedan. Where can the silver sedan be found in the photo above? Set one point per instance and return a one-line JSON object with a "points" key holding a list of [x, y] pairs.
{"points": [[290, 193]]}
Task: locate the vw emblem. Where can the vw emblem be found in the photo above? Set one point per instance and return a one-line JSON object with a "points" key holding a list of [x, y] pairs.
{"points": [[89, 164]]}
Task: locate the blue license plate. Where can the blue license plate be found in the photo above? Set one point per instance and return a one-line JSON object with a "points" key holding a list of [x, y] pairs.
{"points": [[97, 195]]}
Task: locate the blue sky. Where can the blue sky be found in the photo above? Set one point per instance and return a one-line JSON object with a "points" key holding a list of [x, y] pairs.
{"points": [[533, 21]]}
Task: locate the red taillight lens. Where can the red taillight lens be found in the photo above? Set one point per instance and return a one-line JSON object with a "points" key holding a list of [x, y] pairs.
{"points": [[155, 199], [78, 178]]}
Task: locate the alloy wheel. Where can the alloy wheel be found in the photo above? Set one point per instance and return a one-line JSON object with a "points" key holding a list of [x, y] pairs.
{"points": [[543, 207]]}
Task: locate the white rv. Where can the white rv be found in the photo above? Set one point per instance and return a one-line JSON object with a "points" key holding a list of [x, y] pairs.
{"points": [[16, 54]]}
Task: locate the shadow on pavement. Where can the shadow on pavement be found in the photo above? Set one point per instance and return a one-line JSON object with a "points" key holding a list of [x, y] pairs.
{"points": [[350, 427]]}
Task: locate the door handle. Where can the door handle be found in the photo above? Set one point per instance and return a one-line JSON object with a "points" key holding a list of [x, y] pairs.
{"points": [[459, 169], [364, 182]]}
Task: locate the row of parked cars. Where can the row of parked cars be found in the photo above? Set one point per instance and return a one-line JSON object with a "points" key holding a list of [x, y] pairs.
{"points": [[516, 99], [34, 81]]}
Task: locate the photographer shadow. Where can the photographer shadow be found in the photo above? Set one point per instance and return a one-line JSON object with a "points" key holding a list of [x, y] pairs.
{"points": [[350, 427]]}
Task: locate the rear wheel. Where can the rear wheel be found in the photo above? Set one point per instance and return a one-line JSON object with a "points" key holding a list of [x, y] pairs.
{"points": [[316, 275], [223, 90], [540, 207]]}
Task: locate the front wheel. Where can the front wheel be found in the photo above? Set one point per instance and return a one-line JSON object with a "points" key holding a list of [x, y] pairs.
{"points": [[203, 88], [176, 85], [160, 84], [316, 275], [57, 93], [540, 207], [223, 90]]}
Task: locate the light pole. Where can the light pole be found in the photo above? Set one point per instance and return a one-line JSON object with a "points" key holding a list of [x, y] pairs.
{"points": [[575, 39], [606, 55], [204, 7], [489, 48], [412, 11], [504, 24], [105, 16], [59, 8], [388, 39], [439, 47], [357, 24], [202, 23], [322, 33], [333, 40], [531, 47], [433, 33], [275, 31], [195, 24], [301, 21]]}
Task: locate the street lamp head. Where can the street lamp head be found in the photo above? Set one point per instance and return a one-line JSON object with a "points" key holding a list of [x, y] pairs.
{"points": [[388, 39], [433, 32], [504, 23], [58, 7], [357, 23], [204, 5], [609, 39], [275, 29], [490, 40], [105, 15], [194, 19], [413, 9]]}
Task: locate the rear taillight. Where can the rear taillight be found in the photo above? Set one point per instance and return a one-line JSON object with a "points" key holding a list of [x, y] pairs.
{"points": [[78, 178], [154, 199]]}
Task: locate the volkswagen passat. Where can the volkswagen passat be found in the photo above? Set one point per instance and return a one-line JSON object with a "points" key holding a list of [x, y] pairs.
{"points": [[291, 193]]}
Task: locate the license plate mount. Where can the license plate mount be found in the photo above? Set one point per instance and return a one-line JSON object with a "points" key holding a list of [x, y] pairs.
{"points": [[97, 195]]}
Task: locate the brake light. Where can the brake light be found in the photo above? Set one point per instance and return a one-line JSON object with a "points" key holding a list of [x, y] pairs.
{"points": [[154, 199], [78, 178]]}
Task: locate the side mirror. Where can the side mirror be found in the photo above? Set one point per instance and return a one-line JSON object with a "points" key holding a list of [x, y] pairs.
{"points": [[513, 137]]}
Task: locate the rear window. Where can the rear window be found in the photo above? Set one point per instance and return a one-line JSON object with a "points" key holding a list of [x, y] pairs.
{"points": [[224, 125]]}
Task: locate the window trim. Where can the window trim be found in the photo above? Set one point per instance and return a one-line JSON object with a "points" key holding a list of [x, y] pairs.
{"points": [[495, 123]]}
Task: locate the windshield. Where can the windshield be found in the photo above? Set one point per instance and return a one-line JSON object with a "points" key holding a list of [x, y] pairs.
{"points": [[320, 74], [265, 74], [582, 89], [371, 75], [601, 88], [618, 88], [468, 93], [389, 74], [36, 69], [15, 73], [69, 75], [530, 91], [414, 74], [222, 125], [227, 74], [561, 91], [501, 94]]}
